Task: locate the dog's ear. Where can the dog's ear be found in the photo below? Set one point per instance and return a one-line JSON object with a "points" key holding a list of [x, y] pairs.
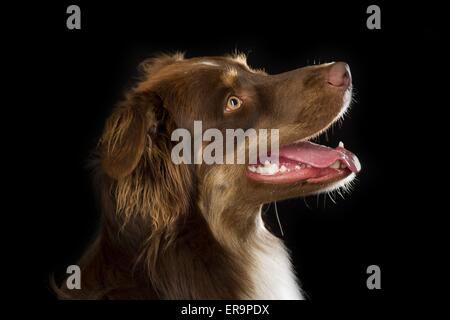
{"points": [[128, 132]]}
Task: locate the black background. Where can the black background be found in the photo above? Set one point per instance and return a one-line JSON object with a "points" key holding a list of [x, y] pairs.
{"points": [[69, 80]]}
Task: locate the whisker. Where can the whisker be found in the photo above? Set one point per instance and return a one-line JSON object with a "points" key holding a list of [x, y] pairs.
{"points": [[267, 209], [331, 197], [306, 203], [278, 219]]}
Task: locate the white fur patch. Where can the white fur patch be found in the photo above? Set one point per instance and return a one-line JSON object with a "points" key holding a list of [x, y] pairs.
{"points": [[209, 63], [272, 273]]}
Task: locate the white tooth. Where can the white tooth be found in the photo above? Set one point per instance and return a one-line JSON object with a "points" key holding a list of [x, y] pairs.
{"points": [[335, 165], [252, 168], [341, 144], [274, 168], [268, 169], [283, 168], [266, 163], [297, 167], [343, 165]]}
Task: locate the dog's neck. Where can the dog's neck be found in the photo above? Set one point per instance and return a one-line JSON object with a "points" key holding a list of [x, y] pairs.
{"points": [[260, 260]]}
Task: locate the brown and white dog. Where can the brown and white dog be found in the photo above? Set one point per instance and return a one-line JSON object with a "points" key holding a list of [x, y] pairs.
{"points": [[181, 231]]}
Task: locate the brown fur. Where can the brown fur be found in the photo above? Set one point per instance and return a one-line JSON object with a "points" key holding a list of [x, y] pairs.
{"points": [[185, 231]]}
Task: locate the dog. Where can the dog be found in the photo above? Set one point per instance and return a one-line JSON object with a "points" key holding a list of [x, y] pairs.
{"points": [[195, 231]]}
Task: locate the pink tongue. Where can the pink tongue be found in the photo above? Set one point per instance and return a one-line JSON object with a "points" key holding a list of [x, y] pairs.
{"points": [[319, 156]]}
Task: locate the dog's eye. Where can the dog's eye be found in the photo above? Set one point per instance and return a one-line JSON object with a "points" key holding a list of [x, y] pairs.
{"points": [[233, 104]]}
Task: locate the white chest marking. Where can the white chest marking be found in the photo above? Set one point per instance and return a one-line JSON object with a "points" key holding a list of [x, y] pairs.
{"points": [[272, 274]]}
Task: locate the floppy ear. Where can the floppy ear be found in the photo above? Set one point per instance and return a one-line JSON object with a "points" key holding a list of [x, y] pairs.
{"points": [[126, 133]]}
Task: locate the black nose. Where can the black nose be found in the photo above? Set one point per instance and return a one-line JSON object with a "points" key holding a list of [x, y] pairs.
{"points": [[339, 75]]}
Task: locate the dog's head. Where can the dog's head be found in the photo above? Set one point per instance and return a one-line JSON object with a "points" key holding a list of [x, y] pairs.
{"points": [[225, 93]]}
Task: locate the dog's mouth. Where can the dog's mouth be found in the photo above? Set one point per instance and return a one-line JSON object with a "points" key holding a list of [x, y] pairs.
{"points": [[308, 162]]}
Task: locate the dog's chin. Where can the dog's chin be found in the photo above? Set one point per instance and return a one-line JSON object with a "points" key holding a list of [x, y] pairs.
{"points": [[341, 182]]}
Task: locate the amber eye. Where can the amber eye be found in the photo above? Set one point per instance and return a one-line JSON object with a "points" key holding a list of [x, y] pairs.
{"points": [[233, 104]]}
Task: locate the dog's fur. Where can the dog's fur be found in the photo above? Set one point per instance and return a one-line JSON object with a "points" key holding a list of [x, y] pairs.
{"points": [[195, 231]]}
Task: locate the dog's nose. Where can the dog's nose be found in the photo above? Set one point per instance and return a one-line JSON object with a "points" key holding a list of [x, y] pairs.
{"points": [[339, 75]]}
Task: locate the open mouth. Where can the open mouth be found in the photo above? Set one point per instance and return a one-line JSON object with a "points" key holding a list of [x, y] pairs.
{"points": [[306, 161]]}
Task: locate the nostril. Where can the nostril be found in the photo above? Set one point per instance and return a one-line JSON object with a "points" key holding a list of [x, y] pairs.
{"points": [[339, 75]]}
